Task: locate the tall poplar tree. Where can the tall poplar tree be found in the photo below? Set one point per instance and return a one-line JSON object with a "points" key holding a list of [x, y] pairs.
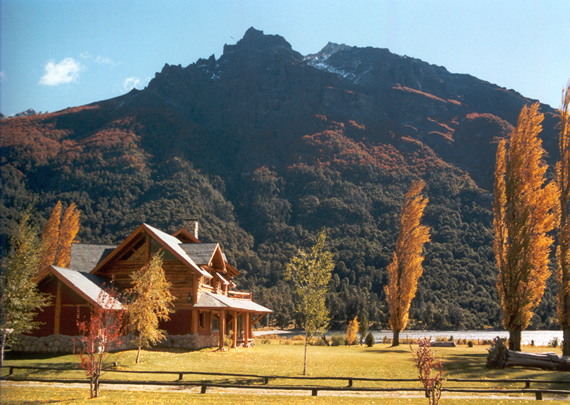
{"points": [[406, 267], [151, 302], [310, 273], [58, 235], [563, 249], [50, 238], [67, 232], [523, 217]]}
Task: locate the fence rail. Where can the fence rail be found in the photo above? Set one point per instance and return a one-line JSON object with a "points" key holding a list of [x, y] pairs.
{"points": [[538, 392]]}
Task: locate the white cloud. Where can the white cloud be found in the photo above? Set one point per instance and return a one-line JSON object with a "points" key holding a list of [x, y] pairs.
{"points": [[103, 60], [66, 71], [131, 83], [2, 76]]}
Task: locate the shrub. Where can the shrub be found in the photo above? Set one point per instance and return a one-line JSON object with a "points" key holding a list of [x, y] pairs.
{"points": [[337, 339], [369, 340], [553, 342], [470, 343]]}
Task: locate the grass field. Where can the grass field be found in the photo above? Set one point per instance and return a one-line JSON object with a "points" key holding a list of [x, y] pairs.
{"points": [[381, 361]]}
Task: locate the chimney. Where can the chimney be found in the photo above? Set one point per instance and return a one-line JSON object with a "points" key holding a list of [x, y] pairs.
{"points": [[192, 225]]}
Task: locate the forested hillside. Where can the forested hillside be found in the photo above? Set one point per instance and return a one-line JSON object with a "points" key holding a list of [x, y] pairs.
{"points": [[267, 147]]}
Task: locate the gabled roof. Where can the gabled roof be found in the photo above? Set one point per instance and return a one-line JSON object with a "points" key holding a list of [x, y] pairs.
{"points": [[208, 300], [84, 256], [201, 253], [169, 242], [185, 236], [88, 286]]}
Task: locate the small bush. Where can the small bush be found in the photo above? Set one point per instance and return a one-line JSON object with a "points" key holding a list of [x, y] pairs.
{"points": [[298, 337], [337, 339], [470, 343], [369, 340], [554, 342], [386, 340]]}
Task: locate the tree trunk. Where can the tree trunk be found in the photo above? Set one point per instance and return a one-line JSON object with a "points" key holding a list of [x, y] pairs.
{"points": [[396, 340], [305, 360], [138, 356], [566, 342], [515, 339], [545, 361], [91, 385], [2, 346], [96, 386]]}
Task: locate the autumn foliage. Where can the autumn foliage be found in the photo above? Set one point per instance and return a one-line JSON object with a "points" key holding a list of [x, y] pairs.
{"points": [[101, 331], [351, 331], [151, 302], [58, 235], [563, 249], [406, 267], [523, 218]]}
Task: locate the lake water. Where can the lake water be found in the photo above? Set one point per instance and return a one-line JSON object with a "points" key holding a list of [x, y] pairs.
{"points": [[540, 337]]}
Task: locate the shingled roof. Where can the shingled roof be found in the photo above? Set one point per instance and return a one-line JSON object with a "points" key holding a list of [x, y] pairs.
{"points": [[214, 301], [84, 256], [201, 253], [89, 286]]}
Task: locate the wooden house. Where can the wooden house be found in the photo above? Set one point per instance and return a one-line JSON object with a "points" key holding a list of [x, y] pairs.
{"points": [[201, 278]]}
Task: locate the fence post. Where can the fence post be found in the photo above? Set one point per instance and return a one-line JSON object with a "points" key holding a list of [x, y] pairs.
{"points": [[203, 390], [350, 382], [314, 392], [538, 395], [180, 376]]}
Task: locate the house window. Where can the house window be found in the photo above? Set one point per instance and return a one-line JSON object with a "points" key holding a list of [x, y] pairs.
{"points": [[202, 320]]}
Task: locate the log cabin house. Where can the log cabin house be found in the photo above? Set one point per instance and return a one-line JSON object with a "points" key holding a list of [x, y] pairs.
{"points": [[201, 278]]}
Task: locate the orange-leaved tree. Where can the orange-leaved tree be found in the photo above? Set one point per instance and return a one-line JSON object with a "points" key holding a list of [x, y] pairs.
{"points": [[50, 237], [523, 217], [58, 235], [67, 232], [563, 249], [351, 331], [406, 267]]}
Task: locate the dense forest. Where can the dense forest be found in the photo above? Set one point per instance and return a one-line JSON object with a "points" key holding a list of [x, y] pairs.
{"points": [[276, 150]]}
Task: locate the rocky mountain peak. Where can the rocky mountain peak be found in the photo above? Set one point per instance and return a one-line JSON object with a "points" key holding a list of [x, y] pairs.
{"points": [[255, 42]]}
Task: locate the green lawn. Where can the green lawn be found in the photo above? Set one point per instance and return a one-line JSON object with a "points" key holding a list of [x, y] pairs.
{"points": [[381, 361]]}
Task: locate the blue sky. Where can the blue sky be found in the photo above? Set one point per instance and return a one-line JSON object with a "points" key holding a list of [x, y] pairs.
{"points": [[62, 53]]}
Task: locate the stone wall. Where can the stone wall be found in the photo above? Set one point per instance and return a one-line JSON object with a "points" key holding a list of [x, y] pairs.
{"points": [[72, 344]]}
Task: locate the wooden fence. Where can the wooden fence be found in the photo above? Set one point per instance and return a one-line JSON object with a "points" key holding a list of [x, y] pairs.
{"points": [[264, 379]]}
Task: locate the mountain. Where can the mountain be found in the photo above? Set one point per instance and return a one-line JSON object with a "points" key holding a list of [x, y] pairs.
{"points": [[267, 147]]}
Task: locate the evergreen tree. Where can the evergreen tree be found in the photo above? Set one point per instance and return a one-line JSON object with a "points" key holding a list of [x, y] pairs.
{"points": [[406, 267], [20, 298], [151, 302], [563, 249], [523, 218], [310, 273], [363, 326]]}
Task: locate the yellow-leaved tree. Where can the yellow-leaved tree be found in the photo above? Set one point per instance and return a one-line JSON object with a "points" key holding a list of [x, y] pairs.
{"points": [[406, 267], [150, 302], [523, 216], [563, 249]]}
